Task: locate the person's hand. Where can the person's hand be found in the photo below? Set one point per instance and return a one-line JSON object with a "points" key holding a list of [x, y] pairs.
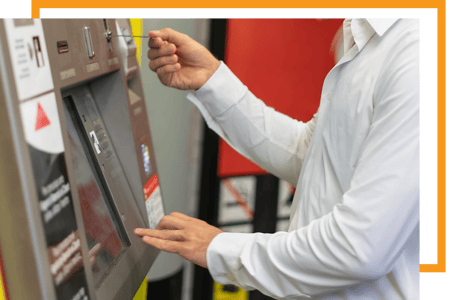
{"points": [[93, 253], [178, 233], [179, 61]]}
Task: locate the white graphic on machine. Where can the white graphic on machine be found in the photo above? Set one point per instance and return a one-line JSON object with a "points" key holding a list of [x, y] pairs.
{"points": [[29, 58]]}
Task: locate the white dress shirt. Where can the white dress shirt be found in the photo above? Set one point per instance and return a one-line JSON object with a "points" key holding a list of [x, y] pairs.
{"points": [[354, 228]]}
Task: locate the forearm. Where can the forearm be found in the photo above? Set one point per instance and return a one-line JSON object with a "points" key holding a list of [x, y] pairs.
{"points": [[274, 141], [341, 249]]}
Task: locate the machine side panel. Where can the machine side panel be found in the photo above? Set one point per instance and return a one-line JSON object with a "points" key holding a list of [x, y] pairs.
{"points": [[18, 210]]}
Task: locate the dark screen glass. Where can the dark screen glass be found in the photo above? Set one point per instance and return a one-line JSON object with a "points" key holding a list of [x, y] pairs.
{"points": [[100, 223]]}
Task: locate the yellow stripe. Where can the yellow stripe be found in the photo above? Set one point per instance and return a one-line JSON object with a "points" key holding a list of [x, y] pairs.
{"points": [[136, 29], [2, 292], [142, 292]]}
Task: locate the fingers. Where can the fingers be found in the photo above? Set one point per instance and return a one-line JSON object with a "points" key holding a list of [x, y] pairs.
{"points": [[170, 35], [162, 61], [165, 245], [171, 222], [179, 233], [153, 34], [156, 43], [170, 227], [163, 50], [95, 249], [167, 69], [175, 219], [172, 235]]}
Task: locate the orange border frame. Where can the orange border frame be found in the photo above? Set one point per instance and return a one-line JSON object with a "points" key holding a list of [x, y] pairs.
{"points": [[36, 5]]}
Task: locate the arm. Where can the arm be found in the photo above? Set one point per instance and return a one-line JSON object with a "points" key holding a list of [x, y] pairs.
{"points": [[272, 140], [364, 235]]}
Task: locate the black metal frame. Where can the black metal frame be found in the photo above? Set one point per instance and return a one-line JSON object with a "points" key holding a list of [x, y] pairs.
{"points": [[265, 217], [209, 182]]}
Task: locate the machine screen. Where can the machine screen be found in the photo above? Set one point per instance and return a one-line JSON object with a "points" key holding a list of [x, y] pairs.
{"points": [[104, 229]]}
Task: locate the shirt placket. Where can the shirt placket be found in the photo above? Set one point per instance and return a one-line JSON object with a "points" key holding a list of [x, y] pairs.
{"points": [[326, 97]]}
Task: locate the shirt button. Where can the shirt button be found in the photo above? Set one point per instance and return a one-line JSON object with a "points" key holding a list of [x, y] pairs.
{"points": [[230, 278], [329, 96]]}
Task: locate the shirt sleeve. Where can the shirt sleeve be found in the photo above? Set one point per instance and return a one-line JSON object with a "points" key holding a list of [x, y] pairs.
{"points": [[364, 236], [272, 140]]}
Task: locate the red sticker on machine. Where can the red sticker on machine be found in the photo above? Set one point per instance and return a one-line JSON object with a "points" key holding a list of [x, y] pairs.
{"points": [[150, 186], [153, 201]]}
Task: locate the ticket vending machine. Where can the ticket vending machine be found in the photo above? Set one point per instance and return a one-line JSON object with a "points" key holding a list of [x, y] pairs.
{"points": [[77, 170]]}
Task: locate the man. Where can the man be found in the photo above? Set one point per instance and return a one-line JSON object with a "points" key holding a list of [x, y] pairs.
{"points": [[354, 228]]}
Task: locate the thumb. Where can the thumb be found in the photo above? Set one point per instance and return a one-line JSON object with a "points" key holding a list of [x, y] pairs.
{"points": [[170, 35]]}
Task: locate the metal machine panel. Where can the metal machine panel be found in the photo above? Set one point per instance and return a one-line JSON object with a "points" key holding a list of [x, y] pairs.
{"points": [[83, 165]]}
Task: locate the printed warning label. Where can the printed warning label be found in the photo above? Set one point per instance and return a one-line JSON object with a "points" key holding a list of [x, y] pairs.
{"points": [[237, 199], [29, 58], [65, 258], [60, 227], [40, 121], [55, 201], [153, 201], [41, 125]]}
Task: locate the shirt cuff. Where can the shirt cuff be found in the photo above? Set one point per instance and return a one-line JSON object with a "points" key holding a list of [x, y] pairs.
{"points": [[222, 90], [223, 257]]}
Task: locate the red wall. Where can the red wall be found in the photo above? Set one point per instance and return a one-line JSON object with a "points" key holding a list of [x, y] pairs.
{"points": [[283, 62]]}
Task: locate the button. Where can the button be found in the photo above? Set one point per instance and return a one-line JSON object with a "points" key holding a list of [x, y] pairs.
{"points": [[108, 153], [329, 96], [101, 136], [230, 278], [105, 145]]}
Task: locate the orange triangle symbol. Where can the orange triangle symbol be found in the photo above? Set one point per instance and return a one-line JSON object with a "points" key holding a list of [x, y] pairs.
{"points": [[41, 119]]}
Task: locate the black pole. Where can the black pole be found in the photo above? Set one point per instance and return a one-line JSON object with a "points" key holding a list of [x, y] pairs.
{"points": [[265, 217], [209, 183]]}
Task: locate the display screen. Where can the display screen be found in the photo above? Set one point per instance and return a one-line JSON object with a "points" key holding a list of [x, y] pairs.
{"points": [[104, 229]]}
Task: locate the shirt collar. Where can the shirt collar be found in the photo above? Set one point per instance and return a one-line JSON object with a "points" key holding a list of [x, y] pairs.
{"points": [[381, 25], [358, 32], [362, 32], [363, 29]]}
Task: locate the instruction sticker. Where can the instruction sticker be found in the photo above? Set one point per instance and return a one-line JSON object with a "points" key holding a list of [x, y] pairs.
{"points": [[29, 57], [153, 201], [42, 129]]}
